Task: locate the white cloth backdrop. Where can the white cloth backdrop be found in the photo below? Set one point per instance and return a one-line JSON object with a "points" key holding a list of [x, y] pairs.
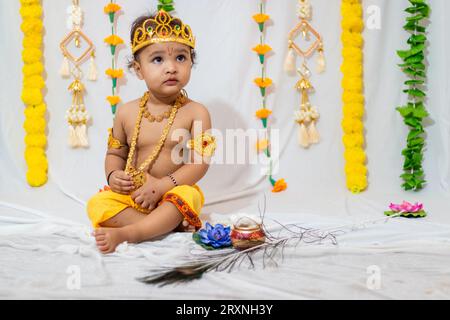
{"points": [[223, 81]]}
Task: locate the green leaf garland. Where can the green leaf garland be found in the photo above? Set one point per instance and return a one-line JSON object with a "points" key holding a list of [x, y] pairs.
{"points": [[414, 112]]}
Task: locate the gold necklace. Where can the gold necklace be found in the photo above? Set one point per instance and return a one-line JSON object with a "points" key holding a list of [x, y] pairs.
{"points": [[159, 118], [138, 174]]}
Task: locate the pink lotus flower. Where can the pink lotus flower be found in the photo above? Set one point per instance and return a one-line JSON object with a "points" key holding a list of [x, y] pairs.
{"points": [[406, 207]]}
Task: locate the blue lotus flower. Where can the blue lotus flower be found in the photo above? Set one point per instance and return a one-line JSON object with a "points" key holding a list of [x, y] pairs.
{"points": [[217, 236]]}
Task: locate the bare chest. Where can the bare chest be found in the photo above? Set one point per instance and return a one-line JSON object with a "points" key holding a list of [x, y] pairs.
{"points": [[152, 133]]}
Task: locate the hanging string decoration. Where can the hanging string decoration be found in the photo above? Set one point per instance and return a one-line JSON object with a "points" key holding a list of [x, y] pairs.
{"points": [[262, 49], [77, 115], [113, 40], [308, 114]]}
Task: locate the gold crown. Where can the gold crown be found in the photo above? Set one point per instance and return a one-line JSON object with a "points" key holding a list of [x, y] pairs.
{"points": [[163, 28]]}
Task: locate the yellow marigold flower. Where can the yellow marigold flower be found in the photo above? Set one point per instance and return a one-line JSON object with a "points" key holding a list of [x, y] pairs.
{"points": [[29, 2], [31, 55], [113, 100], [118, 73], [113, 40], [262, 48], [32, 69], [263, 113], [32, 11], [112, 7], [355, 155], [356, 183], [31, 25], [352, 125], [36, 82], [263, 83], [32, 96], [353, 140], [261, 17], [262, 145], [279, 186], [36, 140], [355, 169], [36, 177]]}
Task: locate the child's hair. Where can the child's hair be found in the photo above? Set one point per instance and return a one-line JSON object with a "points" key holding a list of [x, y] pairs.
{"points": [[136, 24]]}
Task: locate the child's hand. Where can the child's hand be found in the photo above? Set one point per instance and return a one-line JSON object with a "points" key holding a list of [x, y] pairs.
{"points": [[149, 194], [120, 182]]}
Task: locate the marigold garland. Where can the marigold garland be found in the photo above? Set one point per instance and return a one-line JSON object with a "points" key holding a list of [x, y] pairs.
{"points": [[263, 82], [353, 98], [113, 41], [33, 83], [414, 112]]}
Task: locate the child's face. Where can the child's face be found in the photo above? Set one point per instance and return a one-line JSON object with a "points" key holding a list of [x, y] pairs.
{"points": [[165, 67]]}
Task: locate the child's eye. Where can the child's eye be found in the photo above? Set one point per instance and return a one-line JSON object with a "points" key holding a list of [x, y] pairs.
{"points": [[181, 58], [157, 60]]}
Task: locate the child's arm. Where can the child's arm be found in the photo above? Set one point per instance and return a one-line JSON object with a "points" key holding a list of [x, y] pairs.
{"points": [[116, 156]]}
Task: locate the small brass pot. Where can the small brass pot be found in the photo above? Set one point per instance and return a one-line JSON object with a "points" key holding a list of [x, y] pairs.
{"points": [[245, 236]]}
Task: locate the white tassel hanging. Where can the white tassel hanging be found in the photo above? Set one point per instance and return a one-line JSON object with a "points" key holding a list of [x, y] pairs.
{"points": [[313, 134], [92, 74], [289, 63], [73, 140], [321, 64], [303, 138], [64, 71], [82, 135]]}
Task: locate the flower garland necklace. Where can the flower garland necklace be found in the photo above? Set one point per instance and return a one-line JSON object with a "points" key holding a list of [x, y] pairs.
{"points": [[263, 83], [308, 115], [353, 98], [77, 115], [414, 112], [113, 41], [33, 83]]}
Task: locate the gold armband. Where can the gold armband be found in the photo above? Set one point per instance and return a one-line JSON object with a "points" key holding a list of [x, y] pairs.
{"points": [[204, 144], [113, 142]]}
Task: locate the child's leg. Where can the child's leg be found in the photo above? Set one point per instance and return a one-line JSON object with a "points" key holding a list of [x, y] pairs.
{"points": [[163, 219], [124, 218]]}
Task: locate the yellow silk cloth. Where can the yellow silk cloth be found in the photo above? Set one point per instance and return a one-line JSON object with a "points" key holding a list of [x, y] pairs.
{"points": [[189, 201]]}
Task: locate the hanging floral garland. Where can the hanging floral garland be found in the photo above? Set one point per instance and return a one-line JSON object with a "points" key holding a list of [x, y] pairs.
{"points": [[113, 40], [263, 83], [414, 112], [33, 83], [353, 97]]}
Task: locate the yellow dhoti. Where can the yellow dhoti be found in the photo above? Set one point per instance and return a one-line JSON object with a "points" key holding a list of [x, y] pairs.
{"points": [[189, 201]]}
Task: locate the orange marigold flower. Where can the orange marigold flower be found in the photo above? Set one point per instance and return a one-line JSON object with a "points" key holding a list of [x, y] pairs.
{"points": [[112, 7], [262, 48], [262, 145], [118, 73], [263, 113], [105, 188], [279, 186], [113, 100], [114, 40], [263, 83], [261, 17]]}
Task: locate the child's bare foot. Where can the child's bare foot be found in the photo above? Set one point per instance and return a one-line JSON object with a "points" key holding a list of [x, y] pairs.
{"points": [[108, 239]]}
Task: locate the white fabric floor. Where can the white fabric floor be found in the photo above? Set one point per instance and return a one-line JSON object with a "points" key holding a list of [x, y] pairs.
{"points": [[44, 232]]}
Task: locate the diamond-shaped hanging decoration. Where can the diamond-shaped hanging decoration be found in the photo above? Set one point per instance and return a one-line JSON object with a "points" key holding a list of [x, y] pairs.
{"points": [[298, 30], [73, 36]]}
